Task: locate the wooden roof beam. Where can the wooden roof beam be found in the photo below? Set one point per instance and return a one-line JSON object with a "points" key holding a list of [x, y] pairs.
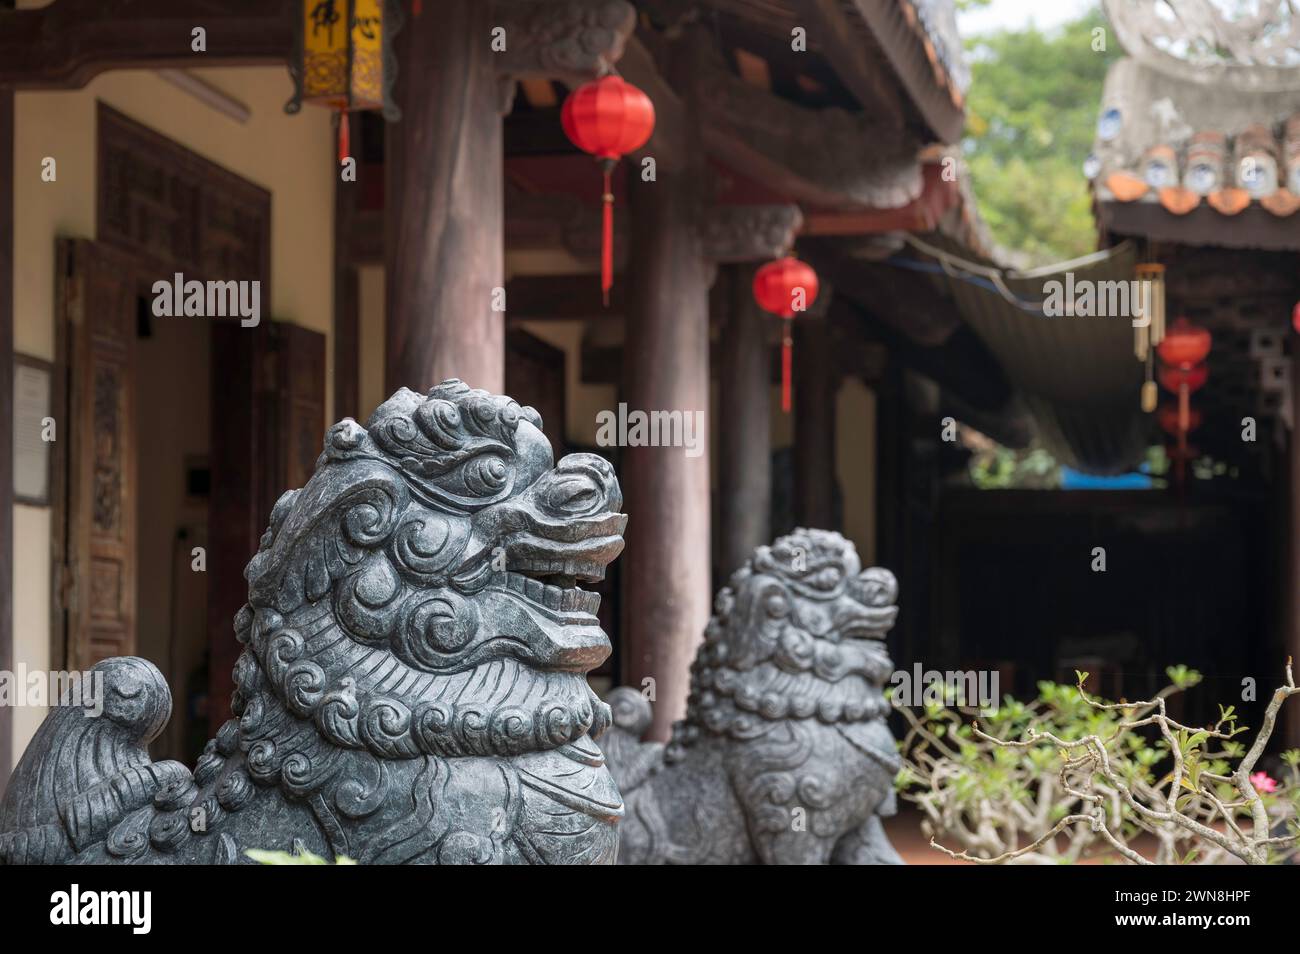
{"points": [[728, 233], [562, 297], [66, 44]]}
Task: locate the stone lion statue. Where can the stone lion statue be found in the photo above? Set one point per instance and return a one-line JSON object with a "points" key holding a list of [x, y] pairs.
{"points": [[412, 686], [784, 756]]}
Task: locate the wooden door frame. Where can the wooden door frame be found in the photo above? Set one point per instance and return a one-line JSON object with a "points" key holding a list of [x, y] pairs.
{"points": [[80, 262], [213, 181]]}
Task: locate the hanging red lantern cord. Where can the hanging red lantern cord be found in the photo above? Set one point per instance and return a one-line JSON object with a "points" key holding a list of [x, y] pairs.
{"points": [[345, 135], [1183, 350], [783, 287], [608, 118]]}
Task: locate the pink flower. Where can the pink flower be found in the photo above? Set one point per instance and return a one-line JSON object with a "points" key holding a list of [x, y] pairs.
{"points": [[1263, 783]]}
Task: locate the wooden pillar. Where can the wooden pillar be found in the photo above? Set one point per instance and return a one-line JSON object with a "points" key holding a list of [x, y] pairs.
{"points": [[666, 562], [443, 251], [744, 438], [6, 418], [816, 384]]}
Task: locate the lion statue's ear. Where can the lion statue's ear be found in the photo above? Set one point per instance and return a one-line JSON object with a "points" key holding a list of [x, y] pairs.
{"points": [[347, 509]]}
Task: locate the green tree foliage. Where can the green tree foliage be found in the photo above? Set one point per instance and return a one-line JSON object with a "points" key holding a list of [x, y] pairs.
{"points": [[1031, 116]]}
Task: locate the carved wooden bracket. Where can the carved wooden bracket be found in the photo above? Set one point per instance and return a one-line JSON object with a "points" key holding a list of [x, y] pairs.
{"points": [[749, 233], [568, 40]]}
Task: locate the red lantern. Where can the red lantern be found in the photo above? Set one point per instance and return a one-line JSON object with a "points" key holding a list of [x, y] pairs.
{"points": [[1168, 417], [608, 118], [1295, 316], [1182, 351], [784, 287], [1173, 379], [1184, 345]]}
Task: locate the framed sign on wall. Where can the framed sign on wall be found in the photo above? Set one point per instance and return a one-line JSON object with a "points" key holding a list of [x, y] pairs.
{"points": [[33, 429]]}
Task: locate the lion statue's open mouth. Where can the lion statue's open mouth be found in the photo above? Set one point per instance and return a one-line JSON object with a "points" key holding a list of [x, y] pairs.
{"points": [[413, 684]]}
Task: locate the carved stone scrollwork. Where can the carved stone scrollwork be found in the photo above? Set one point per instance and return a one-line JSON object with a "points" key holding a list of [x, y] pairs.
{"points": [[565, 40], [412, 686]]}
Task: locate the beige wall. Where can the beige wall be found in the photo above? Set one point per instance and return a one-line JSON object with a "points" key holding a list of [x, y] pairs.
{"points": [[289, 156]]}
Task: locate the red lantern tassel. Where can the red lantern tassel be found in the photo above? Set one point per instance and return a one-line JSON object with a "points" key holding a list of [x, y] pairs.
{"points": [[787, 365], [345, 136], [607, 234]]}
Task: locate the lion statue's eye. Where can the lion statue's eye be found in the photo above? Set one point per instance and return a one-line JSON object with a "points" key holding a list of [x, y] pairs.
{"points": [[485, 475], [828, 578]]}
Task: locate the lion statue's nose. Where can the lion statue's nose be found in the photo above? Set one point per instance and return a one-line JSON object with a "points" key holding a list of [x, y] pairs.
{"points": [[579, 486]]}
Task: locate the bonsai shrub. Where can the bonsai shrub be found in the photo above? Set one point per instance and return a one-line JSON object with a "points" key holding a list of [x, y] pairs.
{"points": [[1070, 776]]}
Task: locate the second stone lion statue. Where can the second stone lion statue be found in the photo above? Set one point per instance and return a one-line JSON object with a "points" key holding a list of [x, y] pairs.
{"points": [[784, 756]]}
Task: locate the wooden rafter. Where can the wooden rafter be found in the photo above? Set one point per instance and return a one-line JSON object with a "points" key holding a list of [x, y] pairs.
{"points": [[836, 36], [826, 157]]}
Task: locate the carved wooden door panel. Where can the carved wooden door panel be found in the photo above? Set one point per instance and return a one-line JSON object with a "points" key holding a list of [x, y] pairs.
{"points": [[96, 316]]}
